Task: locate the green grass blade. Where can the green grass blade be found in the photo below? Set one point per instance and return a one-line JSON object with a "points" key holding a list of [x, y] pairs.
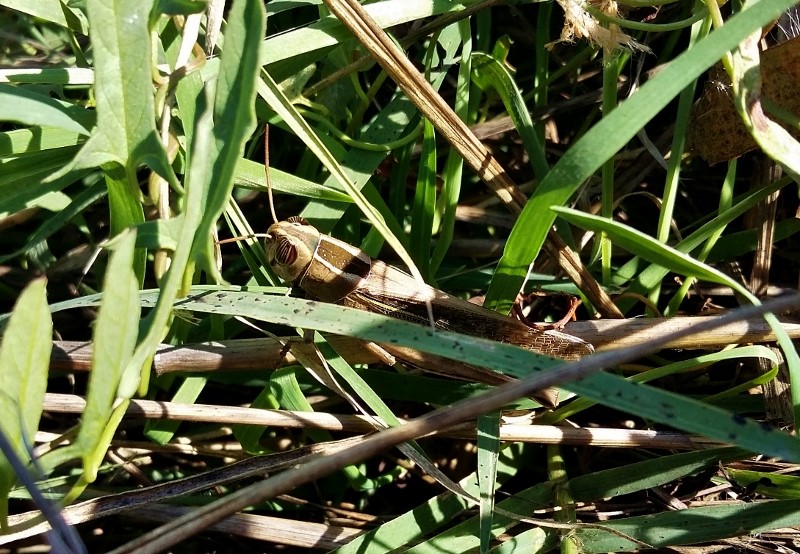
{"points": [[251, 175], [424, 202], [436, 512], [667, 257], [647, 247], [693, 525], [489, 72], [328, 31], [115, 333], [488, 453]]}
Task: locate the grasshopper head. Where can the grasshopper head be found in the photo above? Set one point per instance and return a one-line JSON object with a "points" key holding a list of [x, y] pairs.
{"points": [[290, 246]]}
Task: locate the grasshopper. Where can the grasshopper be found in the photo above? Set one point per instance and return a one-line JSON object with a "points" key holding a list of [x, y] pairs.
{"points": [[333, 271]]}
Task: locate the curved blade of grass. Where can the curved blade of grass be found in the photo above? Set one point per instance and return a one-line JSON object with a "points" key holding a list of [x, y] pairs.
{"points": [[489, 72], [627, 479], [278, 101], [653, 275], [24, 363], [636, 242], [360, 166], [606, 138], [580, 404], [649, 248]]}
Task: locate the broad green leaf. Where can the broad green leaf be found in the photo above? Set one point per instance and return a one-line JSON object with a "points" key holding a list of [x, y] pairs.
{"points": [[125, 133], [24, 364], [55, 11]]}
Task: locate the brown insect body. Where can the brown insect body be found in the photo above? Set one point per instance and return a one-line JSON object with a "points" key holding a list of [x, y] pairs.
{"points": [[334, 271]]}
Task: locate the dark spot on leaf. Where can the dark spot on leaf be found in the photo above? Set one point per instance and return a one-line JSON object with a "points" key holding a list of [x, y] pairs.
{"points": [[296, 311], [739, 419], [766, 427], [732, 437]]}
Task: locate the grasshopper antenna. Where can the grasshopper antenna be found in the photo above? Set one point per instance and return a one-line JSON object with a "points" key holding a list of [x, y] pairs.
{"points": [[266, 172]]}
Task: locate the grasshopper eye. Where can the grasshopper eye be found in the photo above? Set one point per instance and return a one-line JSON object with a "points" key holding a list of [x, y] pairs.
{"points": [[286, 252]]}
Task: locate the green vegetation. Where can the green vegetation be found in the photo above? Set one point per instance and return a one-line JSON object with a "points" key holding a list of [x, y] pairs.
{"points": [[136, 136]]}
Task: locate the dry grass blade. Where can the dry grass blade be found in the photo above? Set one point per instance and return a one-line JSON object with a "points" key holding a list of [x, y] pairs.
{"points": [[431, 104], [513, 432]]}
